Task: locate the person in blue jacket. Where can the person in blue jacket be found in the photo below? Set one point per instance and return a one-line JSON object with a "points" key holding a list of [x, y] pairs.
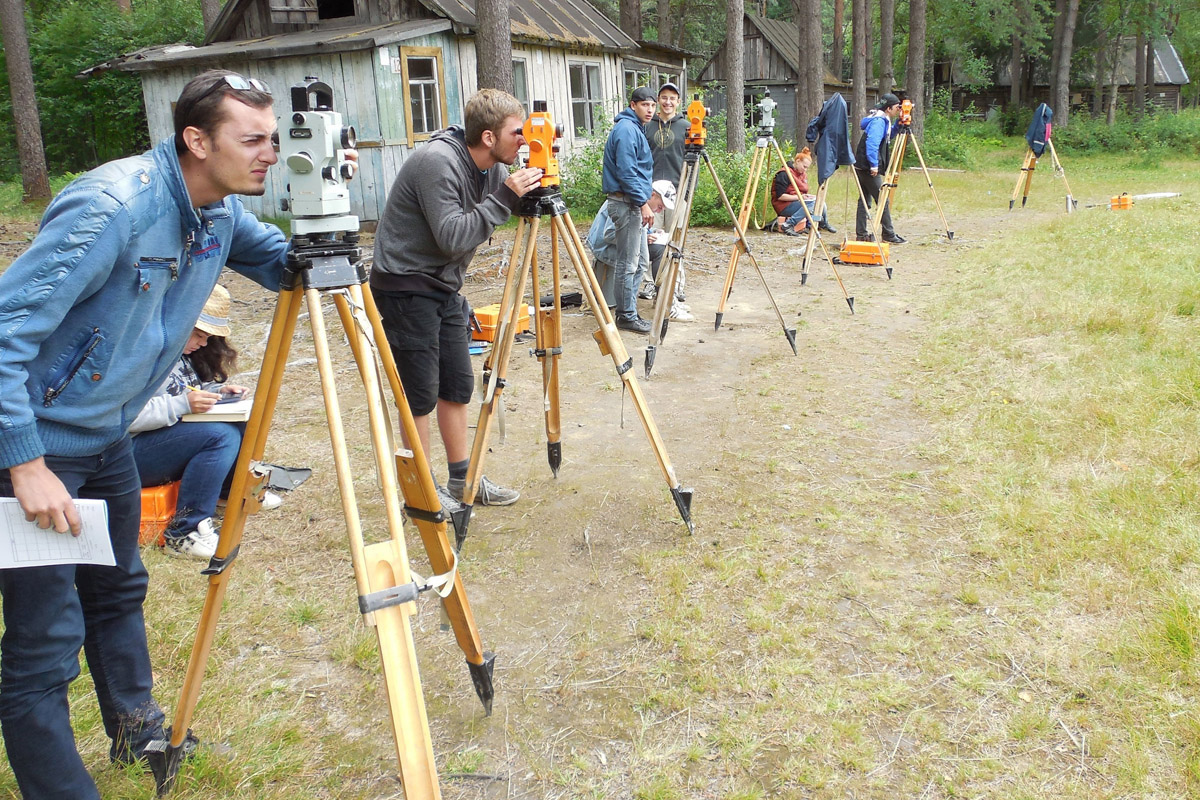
{"points": [[93, 316], [870, 159], [626, 179]]}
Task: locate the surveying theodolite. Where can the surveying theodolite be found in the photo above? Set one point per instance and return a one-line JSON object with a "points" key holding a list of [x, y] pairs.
{"points": [[546, 201], [693, 151], [765, 146], [326, 260], [891, 177]]}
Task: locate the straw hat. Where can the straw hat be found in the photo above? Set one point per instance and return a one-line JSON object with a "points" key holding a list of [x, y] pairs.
{"points": [[214, 319]]}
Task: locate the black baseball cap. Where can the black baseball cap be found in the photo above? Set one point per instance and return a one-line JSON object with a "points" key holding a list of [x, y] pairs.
{"points": [[887, 101], [642, 93]]}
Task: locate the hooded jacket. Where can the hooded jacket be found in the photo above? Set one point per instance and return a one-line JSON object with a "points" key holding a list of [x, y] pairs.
{"points": [[872, 151], [628, 165], [830, 132], [95, 314], [666, 146], [440, 209]]}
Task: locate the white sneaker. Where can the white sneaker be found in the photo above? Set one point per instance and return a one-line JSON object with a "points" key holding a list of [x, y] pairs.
{"points": [[679, 314], [270, 500], [200, 544]]}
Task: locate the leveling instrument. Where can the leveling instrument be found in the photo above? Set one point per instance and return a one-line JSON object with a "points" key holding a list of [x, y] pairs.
{"points": [[1038, 138], [668, 276], [327, 262], [546, 201]]}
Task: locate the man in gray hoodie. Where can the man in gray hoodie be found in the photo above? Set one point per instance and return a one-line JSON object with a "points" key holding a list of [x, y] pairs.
{"points": [[450, 195]]}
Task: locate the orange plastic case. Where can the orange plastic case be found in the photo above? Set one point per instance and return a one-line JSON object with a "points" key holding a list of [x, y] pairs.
{"points": [[1121, 201], [158, 506], [864, 253], [488, 317]]}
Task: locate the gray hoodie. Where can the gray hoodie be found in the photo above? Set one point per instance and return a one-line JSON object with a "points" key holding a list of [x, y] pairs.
{"points": [[440, 209]]}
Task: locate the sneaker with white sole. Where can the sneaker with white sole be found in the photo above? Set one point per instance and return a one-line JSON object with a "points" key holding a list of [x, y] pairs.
{"points": [[489, 494], [200, 544], [270, 500], [680, 314]]}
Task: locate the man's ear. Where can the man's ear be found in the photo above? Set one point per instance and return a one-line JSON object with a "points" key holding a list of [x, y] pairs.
{"points": [[195, 141]]}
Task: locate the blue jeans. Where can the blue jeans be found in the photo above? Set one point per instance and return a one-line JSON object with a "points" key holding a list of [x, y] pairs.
{"points": [[795, 212], [201, 455], [50, 612], [632, 255]]}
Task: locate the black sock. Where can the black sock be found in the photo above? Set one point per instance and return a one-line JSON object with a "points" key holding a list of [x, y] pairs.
{"points": [[458, 472]]}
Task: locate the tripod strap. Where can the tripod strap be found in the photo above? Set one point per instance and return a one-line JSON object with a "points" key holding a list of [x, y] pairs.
{"points": [[442, 584]]}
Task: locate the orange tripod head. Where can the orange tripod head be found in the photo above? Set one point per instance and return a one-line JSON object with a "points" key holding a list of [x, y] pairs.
{"points": [[697, 132], [906, 108], [542, 135]]}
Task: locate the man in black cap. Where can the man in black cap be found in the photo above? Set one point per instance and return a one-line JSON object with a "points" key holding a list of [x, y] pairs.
{"points": [[628, 173], [870, 158]]}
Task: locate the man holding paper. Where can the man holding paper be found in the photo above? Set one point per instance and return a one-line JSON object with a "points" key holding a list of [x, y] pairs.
{"points": [[92, 318]]}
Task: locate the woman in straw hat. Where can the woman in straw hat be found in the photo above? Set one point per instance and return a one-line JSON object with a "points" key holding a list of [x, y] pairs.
{"points": [[201, 455]]}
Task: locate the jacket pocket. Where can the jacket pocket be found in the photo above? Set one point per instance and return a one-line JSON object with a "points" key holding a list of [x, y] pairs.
{"points": [[62, 377], [156, 273]]}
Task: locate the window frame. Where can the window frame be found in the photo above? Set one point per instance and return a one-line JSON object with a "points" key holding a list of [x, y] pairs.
{"points": [[404, 54], [593, 102], [527, 102]]}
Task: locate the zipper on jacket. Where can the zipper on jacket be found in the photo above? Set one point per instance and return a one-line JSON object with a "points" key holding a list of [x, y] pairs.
{"points": [[57, 388]]}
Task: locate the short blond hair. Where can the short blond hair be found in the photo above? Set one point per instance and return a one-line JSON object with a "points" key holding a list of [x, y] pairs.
{"points": [[486, 111]]}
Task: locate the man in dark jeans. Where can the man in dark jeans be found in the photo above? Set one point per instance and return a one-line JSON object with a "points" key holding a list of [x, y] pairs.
{"points": [[448, 198], [92, 318], [871, 158]]}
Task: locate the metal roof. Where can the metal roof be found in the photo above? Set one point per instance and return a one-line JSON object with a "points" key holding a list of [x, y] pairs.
{"points": [[284, 44]]}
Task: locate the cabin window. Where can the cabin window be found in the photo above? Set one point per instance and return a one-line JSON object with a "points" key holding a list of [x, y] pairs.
{"points": [[334, 9], [586, 97], [634, 78], [667, 77], [424, 89], [521, 83]]}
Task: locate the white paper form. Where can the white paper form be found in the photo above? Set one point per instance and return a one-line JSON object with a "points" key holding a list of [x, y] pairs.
{"points": [[24, 544]]}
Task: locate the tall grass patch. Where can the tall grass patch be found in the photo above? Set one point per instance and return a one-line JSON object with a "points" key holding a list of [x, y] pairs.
{"points": [[1063, 360]]}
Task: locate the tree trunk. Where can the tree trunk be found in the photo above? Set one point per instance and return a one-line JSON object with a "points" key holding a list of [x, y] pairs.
{"points": [[810, 88], [493, 46], [839, 38], [209, 10], [1014, 91], [1098, 79], [631, 18], [735, 77], [1139, 69], [664, 21], [1061, 88], [868, 26], [1149, 58], [887, 29], [34, 180], [914, 78], [1060, 15], [858, 62]]}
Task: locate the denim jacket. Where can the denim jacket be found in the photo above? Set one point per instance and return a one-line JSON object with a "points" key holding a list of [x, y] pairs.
{"points": [[95, 314]]}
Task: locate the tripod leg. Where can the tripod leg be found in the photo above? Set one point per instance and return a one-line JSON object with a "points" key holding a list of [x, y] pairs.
{"points": [[929, 180], [672, 264], [1028, 178], [611, 345], [423, 506], [166, 765], [1016, 192], [524, 250], [811, 249], [1058, 169], [548, 348], [756, 168], [739, 228], [890, 179], [379, 570]]}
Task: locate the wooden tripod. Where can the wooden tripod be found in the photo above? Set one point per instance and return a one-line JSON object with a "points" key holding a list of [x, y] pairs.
{"points": [[891, 179], [548, 202], [766, 146], [387, 590], [1025, 178]]}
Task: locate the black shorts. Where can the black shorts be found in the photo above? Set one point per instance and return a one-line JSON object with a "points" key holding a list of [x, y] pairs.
{"points": [[429, 340]]}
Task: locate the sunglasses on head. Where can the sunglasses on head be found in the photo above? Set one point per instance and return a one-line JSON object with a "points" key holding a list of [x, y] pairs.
{"points": [[238, 83]]}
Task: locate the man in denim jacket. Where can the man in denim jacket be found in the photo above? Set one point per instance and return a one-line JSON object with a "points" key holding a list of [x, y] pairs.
{"points": [[92, 318]]}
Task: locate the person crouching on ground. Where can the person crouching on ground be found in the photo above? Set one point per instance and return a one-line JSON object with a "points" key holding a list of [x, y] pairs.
{"points": [[602, 240], [792, 219]]}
